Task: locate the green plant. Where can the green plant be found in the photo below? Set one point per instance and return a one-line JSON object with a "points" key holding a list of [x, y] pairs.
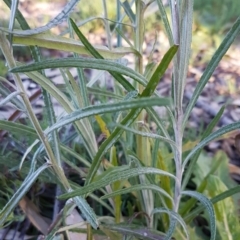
{"points": [[160, 186]]}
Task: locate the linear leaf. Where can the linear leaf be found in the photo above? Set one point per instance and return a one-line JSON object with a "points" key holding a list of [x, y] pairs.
{"points": [[54, 22], [4, 91], [160, 70], [164, 17], [128, 10], [226, 43], [51, 41], [210, 138], [140, 232], [108, 108], [206, 133], [209, 206], [214, 200], [147, 134], [130, 118], [14, 7], [174, 215], [113, 177], [123, 81], [17, 128], [87, 211], [9, 98], [21, 191], [91, 63], [138, 188]]}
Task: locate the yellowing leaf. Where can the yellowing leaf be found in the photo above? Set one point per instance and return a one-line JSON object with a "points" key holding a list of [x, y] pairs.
{"points": [[102, 125]]}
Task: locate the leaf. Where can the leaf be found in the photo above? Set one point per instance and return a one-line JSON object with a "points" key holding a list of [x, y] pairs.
{"points": [[160, 70], [54, 22], [214, 200], [138, 187], [18, 128], [130, 118], [210, 138], [9, 98], [226, 43], [102, 126], [147, 134], [207, 203], [140, 232], [108, 108], [97, 55], [128, 10], [164, 18], [14, 7], [48, 40], [87, 211], [19, 194], [113, 176], [174, 215], [206, 133], [5, 92], [81, 62]]}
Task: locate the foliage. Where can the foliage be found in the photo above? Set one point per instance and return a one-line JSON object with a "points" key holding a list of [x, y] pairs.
{"points": [[131, 168]]}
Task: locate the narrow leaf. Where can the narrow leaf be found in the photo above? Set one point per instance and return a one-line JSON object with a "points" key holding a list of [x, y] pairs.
{"points": [[54, 22], [130, 118], [108, 108], [100, 64], [140, 232], [164, 17], [138, 188], [97, 55], [214, 200], [14, 7], [128, 10], [112, 177], [206, 133], [226, 43], [9, 98], [174, 215], [21, 191], [208, 204], [18, 128], [147, 134], [210, 138], [160, 70], [51, 41], [87, 211]]}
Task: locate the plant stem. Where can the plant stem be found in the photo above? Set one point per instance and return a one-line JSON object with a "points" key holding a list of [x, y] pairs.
{"points": [[6, 49]]}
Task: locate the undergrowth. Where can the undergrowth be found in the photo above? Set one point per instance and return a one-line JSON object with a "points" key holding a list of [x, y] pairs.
{"points": [[125, 180]]}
